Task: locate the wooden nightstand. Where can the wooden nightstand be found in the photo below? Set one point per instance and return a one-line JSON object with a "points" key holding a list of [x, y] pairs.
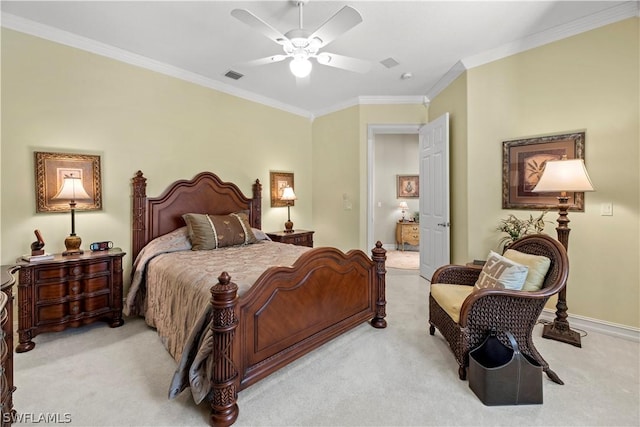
{"points": [[68, 291], [407, 232], [297, 237]]}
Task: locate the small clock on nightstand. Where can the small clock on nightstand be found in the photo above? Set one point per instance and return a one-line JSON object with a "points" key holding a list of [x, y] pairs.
{"points": [[297, 237]]}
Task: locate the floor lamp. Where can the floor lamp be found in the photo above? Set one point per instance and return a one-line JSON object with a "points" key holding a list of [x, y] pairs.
{"points": [[563, 176]]}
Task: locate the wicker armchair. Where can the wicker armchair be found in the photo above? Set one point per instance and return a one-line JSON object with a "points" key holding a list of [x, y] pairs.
{"points": [[516, 311]]}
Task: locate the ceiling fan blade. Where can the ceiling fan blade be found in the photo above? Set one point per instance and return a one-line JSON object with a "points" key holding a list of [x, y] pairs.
{"points": [[345, 19], [344, 62], [267, 60], [259, 25]]}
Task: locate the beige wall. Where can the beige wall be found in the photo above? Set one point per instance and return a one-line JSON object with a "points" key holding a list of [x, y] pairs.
{"points": [[587, 82], [340, 168], [59, 99], [56, 98], [453, 100]]}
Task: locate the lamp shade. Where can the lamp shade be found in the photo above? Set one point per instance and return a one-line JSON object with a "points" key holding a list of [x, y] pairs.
{"points": [[403, 205], [564, 175], [288, 194], [72, 189]]}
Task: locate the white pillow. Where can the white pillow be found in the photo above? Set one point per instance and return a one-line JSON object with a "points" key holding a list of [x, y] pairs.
{"points": [[501, 273]]}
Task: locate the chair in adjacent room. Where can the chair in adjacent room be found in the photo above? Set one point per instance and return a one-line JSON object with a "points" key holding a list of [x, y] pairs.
{"points": [[464, 316]]}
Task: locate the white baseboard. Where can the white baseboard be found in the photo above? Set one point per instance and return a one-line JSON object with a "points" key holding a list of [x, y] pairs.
{"points": [[587, 323]]}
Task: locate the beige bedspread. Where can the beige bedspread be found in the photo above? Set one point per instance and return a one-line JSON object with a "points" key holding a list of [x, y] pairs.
{"points": [[171, 289]]}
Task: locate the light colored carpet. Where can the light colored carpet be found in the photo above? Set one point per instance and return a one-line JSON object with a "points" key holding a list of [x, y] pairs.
{"points": [[398, 376], [407, 260]]}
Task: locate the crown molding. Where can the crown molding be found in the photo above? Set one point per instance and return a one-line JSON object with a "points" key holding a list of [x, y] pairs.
{"points": [[617, 13], [373, 100], [448, 78], [46, 32], [578, 26]]}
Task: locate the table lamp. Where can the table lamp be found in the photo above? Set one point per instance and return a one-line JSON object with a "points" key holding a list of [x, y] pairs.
{"points": [[72, 190], [403, 206], [288, 196]]}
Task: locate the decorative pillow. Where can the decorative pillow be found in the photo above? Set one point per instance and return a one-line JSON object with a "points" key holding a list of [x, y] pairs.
{"points": [[538, 268], [501, 273], [217, 231]]}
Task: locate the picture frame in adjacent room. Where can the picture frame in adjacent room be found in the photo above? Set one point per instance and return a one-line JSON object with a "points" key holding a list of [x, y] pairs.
{"points": [[50, 170], [523, 161], [408, 186], [279, 181]]}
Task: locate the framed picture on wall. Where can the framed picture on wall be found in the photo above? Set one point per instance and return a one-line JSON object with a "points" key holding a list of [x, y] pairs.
{"points": [[279, 181], [523, 161], [52, 168], [408, 186]]}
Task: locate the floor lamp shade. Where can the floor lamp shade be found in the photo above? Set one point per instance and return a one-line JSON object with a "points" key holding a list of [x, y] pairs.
{"points": [[288, 196], [562, 176], [72, 189]]}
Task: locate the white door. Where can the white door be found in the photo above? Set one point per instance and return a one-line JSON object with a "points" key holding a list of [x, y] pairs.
{"points": [[434, 196]]}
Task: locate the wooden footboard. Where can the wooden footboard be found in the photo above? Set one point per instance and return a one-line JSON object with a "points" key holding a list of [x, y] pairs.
{"points": [[289, 312]]}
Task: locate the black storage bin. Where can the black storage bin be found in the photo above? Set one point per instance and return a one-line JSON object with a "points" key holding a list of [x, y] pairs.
{"points": [[500, 375]]}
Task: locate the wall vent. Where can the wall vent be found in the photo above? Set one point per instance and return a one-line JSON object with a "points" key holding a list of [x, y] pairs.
{"points": [[233, 75], [389, 62]]}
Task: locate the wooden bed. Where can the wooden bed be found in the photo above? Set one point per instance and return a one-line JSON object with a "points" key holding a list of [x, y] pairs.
{"points": [[288, 312]]}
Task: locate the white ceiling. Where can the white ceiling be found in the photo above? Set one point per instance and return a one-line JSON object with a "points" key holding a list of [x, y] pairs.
{"points": [[200, 41]]}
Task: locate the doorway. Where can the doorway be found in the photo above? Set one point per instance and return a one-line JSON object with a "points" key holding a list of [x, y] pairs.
{"points": [[384, 212], [372, 204]]}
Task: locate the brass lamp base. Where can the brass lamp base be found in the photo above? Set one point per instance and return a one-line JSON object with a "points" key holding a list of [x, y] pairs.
{"points": [[72, 243], [561, 332], [288, 227]]}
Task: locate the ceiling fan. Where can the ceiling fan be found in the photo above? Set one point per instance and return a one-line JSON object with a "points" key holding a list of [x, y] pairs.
{"points": [[302, 45]]}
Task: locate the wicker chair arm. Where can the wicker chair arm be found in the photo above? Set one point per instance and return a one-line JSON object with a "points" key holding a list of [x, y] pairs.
{"points": [[487, 298], [456, 274]]}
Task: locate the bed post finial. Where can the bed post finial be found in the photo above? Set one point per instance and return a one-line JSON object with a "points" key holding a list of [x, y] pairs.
{"points": [[225, 380], [379, 255]]}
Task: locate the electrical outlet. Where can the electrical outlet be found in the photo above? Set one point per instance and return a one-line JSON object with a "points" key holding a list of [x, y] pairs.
{"points": [[606, 209]]}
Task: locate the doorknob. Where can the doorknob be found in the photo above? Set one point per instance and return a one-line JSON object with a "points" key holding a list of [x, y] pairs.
{"points": [[444, 224]]}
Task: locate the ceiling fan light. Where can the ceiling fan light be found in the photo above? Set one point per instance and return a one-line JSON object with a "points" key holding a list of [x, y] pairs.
{"points": [[300, 67]]}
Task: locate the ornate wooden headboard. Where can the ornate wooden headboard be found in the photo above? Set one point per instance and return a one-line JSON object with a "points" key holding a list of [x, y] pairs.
{"points": [[205, 193]]}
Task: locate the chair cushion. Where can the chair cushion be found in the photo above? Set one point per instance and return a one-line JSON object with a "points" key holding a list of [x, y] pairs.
{"points": [[499, 272], [538, 268], [450, 297]]}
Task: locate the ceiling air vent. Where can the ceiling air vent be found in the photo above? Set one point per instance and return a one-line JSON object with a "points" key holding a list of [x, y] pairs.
{"points": [[389, 62], [234, 75]]}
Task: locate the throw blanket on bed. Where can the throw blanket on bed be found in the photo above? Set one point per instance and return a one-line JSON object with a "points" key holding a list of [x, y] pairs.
{"points": [[171, 288]]}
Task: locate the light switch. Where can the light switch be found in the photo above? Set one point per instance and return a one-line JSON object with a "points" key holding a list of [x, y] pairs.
{"points": [[606, 209]]}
